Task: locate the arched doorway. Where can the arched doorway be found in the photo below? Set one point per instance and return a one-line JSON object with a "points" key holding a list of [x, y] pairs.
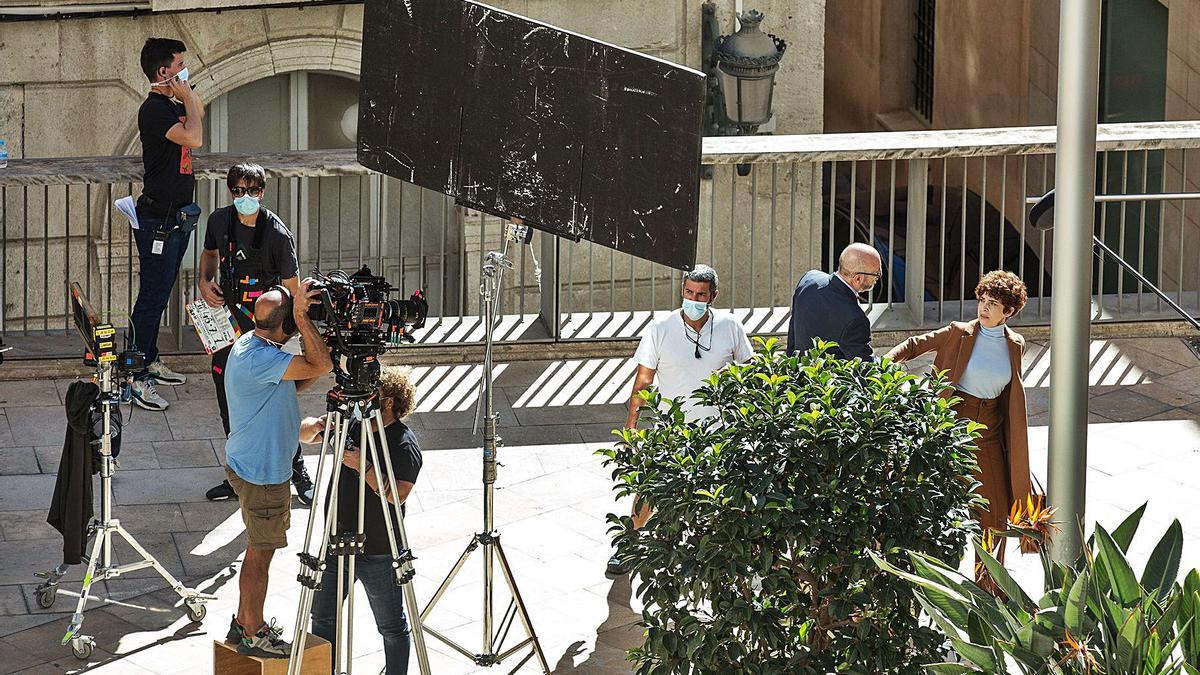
{"points": [[408, 234]]}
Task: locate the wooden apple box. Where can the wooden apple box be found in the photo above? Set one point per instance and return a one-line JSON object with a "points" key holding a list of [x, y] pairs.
{"points": [[227, 660]]}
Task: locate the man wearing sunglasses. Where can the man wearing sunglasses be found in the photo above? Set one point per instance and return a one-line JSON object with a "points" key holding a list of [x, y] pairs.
{"points": [[680, 350], [247, 250], [825, 306]]}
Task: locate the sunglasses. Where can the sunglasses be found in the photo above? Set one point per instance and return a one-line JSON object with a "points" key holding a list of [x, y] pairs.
{"points": [[256, 191]]}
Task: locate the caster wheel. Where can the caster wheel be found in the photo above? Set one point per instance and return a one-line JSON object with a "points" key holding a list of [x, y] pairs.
{"points": [[45, 596], [82, 647], [195, 611]]}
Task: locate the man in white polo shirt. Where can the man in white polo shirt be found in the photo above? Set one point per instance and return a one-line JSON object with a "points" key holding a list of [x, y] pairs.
{"points": [[680, 350]]}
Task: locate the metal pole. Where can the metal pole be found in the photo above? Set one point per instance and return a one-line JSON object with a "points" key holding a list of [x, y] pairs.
{"points": [[1070, 309]]}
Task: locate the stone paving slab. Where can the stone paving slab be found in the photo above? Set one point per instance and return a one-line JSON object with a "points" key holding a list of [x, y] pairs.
{"points": [[22, 394], [34, 426], [165, 486], [194, 420], [185, 454], [18, 461]]}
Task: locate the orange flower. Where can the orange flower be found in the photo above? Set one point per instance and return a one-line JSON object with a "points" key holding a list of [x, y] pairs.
{"points": [[1077, 651], [1031, 514]]}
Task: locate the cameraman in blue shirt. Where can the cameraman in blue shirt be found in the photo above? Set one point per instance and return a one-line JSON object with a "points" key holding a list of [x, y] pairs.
{"points": [[261, 381]]}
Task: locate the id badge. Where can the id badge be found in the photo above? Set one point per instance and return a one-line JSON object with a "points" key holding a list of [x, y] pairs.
{"points": [[160, 238]]}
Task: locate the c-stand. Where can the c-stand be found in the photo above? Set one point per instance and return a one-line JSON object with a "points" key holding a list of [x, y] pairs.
{"points": [[111, 368], [493, 638], [344, 406]]}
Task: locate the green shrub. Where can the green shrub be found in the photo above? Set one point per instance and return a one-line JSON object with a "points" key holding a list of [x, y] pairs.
{"points": [[1096, 616], [755, 560]]}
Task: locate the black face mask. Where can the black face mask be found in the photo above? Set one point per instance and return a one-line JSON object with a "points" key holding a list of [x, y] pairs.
{"points": [[289, 322]]}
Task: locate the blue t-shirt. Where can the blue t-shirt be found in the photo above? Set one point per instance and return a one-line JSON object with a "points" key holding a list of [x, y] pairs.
{"points": [[264, 413]]}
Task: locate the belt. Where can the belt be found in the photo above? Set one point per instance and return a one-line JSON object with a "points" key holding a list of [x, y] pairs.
{"points": [[152, 207], [981, 402]]}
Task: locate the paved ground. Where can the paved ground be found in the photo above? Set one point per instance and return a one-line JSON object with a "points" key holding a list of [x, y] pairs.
{"points": [[553, 497]]}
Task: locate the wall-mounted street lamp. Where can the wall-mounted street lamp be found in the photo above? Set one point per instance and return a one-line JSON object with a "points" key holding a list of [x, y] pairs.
{"points": [[741, 75]]}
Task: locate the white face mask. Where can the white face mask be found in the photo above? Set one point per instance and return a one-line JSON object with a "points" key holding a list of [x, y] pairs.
{"points": [[182, 75]]}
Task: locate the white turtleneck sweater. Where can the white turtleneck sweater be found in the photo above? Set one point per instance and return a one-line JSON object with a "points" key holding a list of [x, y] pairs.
{"points": [[989, 370]]}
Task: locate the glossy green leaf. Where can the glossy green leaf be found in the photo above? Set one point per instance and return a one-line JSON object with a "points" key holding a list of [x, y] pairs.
{"points": [[1163, 566], [1075, 607], [950, 668], [1003, 579], [1123, 535], [981, 655], [1110, 558]]}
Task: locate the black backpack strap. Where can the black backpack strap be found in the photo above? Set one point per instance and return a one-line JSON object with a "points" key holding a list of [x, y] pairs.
{"points": [[260, 227]]}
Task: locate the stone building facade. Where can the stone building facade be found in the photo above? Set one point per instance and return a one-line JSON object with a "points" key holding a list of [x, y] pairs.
{"points": [[994, 64], [282, 76]]}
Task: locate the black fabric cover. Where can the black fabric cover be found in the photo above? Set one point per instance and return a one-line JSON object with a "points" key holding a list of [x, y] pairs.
{"points": [[71, 506]]}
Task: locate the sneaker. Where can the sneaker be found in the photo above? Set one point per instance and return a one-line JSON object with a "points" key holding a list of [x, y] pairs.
{"points": [[221, 492], [304, 485], [145, 396], [164, 375], [266, 644], [618, 566], [234, 636], [236, 632]]}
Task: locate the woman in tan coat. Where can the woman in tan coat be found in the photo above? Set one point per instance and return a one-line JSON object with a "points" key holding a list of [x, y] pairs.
{"points": [[983, 358]]}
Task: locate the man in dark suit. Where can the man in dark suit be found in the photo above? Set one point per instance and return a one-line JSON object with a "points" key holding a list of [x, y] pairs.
{"points": [[825, 306]]}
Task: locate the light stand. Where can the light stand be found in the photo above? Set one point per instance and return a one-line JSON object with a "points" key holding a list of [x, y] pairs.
{"points": [[99, 338], [345, 407], [491, 283]]}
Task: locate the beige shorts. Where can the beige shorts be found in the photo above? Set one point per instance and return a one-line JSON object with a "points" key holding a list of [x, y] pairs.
{"points": [[266, 510]]}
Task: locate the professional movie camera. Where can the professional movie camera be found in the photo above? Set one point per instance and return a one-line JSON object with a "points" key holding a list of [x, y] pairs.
{"points": [[360, 322]]}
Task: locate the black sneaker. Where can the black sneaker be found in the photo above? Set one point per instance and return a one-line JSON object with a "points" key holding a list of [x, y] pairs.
{"points": [[266, 643], [303, 484], [618, 566], [221, 492], [234, 636]]}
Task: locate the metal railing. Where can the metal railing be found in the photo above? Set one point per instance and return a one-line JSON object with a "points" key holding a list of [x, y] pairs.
{"points": [[942, 207]]}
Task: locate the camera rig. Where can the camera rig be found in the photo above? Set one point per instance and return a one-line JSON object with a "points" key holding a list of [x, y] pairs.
{"points": [[99, 339], [114, 370], [360, 321]]}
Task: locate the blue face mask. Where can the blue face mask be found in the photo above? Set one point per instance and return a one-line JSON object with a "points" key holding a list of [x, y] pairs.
{"points": [[246, 205], [694, 310]]}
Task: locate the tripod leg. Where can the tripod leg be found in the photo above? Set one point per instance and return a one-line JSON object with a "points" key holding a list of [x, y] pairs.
{"points": [[77, 617], [462, 559], [404, 575], [336, 429], [162, 571], [521, 612], [364, 441]]}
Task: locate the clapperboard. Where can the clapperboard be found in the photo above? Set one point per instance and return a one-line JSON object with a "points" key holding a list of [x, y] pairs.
{"points": [[214, 325]]}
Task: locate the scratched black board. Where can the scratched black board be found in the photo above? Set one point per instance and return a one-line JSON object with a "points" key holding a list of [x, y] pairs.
{"points": [[514, 117]]}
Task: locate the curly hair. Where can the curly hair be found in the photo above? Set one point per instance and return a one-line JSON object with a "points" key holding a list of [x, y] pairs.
{"points": [[396, 384], [1005, 287]]}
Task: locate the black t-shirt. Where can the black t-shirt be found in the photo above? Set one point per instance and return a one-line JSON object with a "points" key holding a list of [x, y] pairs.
{"points": [[168, 178], [278, 248], [406, 464]]}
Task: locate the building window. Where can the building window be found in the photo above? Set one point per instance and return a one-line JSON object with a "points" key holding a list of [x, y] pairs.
{"points": [[922, 73]]}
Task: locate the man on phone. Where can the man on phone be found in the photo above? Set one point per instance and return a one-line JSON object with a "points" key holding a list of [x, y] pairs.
{"points": [[170, 124]]}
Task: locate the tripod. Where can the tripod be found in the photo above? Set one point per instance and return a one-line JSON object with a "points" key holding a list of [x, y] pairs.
{"points": [[343, 408], [493, 637], [100, 565]]}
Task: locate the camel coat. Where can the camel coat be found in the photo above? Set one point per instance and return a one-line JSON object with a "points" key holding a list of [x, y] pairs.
{"points": [[953, 345]]}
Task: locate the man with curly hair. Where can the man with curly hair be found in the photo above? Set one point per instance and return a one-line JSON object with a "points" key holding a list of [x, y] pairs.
{"points": [[397, 398]]}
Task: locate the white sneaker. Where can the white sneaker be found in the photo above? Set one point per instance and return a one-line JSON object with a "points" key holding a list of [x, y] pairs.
{"points": [[164, 375], [145, 396]]}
